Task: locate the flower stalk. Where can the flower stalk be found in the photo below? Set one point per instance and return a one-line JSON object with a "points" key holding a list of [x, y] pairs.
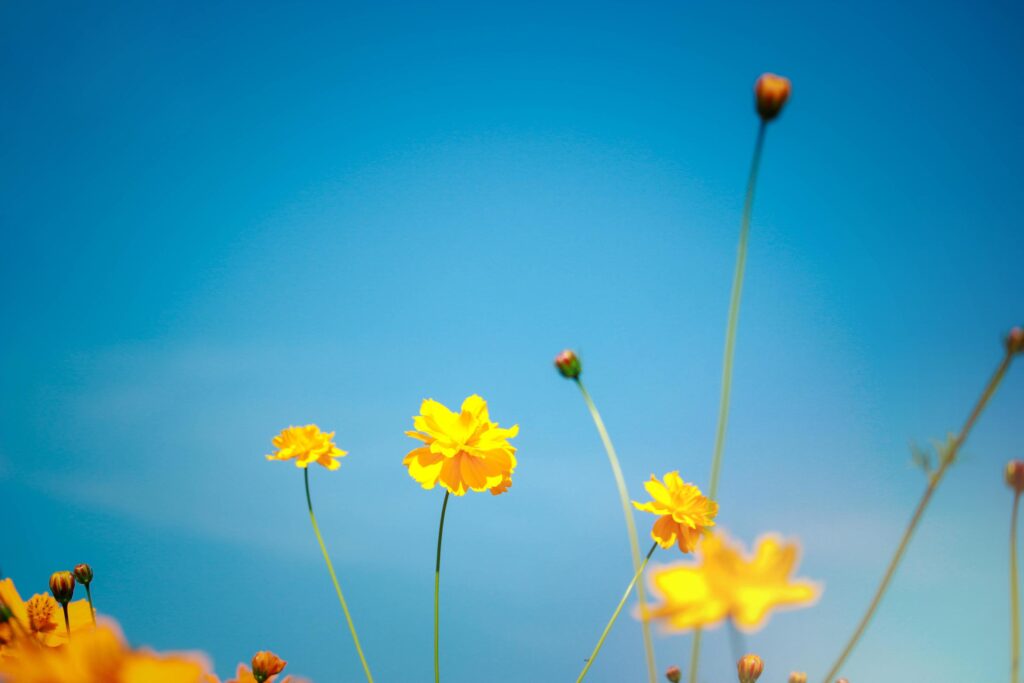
{"points": [[615, 615], [334, 580], [1014, 594], [945, 461], [437, 592]]}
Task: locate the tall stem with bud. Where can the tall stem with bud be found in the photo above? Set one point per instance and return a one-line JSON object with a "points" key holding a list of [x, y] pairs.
{"points": [[1015, 479]]}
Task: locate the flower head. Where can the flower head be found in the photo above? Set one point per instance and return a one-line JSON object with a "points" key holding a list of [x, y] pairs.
{"points": [[62, 585], [568, 364], [266, 664], [725, 583], [770, 94], [1015, 340], [83, 574], [797, 677], [749, 668], [1015, 475], [307, 445], [39, 617], [673, 674], [684, 513], [462, 451]]}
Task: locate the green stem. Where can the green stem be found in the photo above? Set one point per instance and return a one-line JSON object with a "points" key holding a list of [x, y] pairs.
{"points": [[92, 610], [946, 459], [67, 620], [730, 349], [334, 579], [627, 511], [615, 615], [437, 592], [1014, 595]]}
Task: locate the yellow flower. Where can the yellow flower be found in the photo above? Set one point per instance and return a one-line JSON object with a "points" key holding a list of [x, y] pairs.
{"points": [[462, 450], [726, 584], [684, 513], [41, 617], [307, 445]]}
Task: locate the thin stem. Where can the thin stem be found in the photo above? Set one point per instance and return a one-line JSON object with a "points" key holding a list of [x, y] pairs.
{"points": [[615, 615], [334, 579], [67, 620], [1014, 595], [946, 459], [437, 592], [736, 642], [730, 349], [92, 610], [627, 511]]}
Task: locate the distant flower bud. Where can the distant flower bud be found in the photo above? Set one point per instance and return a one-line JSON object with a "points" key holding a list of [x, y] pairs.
{"points": [[749, 668], [83, 574], [62, 585], [1015, 340], [265, 665], [1015, 475], [674, 674], [770, 94], [798, 677], [568, 363], [842, 680]]}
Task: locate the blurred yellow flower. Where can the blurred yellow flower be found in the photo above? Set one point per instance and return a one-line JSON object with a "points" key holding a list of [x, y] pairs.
{"points": [[462, 450], [307, 445], [726, 584], [41, 616], [684, 514]]}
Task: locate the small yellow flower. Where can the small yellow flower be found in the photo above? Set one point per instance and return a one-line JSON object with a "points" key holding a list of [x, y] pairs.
{"points": [[726, 584], [41, 617], [684, 514], [307, 445], [462, 450]]}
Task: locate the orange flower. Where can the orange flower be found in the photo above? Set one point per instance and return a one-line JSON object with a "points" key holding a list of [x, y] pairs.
{"points": [[684, 514], [463, 451], [307, 445], [770, 94], [40, 618], [266, 664]]}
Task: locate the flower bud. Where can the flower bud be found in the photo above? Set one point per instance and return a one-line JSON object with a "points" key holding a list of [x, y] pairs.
{"points": [[673, 674], [798, 677], [842, 680], [62, 585], [749, 668], [1015, 475], [568, 363], [83, 574], [266, 664], [770, 94], [1015, 340]]}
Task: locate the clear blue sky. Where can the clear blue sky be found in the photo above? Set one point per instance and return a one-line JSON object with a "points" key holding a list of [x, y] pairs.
{"points": [[223, 218]]}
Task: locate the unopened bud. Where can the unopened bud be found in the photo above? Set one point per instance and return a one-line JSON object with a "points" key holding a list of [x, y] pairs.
{"points": [[770, 94], [83, 574], [266, 664], [568, 363], [62, 585], [797, 677], [749, 668], [673, 674], [1015, 475], [1015, 340]]}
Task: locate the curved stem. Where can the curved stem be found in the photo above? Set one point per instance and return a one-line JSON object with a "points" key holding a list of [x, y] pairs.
{"points": [[334, 579], [437, 591], [615, 615], [1014, 595], [627, 511], [946, 459], [730, 349]]}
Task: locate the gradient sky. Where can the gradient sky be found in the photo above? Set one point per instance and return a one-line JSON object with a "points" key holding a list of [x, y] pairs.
{"points": [[223, 218]]}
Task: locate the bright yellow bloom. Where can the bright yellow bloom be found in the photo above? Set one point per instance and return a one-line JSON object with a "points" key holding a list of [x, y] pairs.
{"points": [[41, 617], [684, 514], [726, 584], [307, 445], [463, 450]]}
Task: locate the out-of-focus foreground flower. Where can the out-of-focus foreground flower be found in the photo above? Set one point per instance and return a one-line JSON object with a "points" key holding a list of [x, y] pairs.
{"points": [[726, 584], [684, 513], [307, 445], [40, 617], [462, 451]]}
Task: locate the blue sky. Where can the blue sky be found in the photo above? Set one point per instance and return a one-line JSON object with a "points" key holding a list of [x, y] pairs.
{"points": [[224, 218]]}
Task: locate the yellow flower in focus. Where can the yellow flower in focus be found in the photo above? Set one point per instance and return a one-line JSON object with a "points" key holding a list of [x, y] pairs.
{"points": [[726, 584], [462, 450], [307, 445], [684, 513], [41, 617]]}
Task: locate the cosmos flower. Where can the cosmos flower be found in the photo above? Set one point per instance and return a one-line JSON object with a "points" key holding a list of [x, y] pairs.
{"points": [[683, 513], [41, 617], [307, 445], [462, 451], [724, 583]]}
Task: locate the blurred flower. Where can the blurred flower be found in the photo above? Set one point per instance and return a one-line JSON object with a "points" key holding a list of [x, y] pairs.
{"points": [[568, 364], [39, 617], [463, 450], [770, 94], [673, 674], [1015, 475], [62, 585], [797, 677], [1015, 340], [307, 445], [684, 514], [725, 584], [83, 574], [749, 668], [266, 664]]}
